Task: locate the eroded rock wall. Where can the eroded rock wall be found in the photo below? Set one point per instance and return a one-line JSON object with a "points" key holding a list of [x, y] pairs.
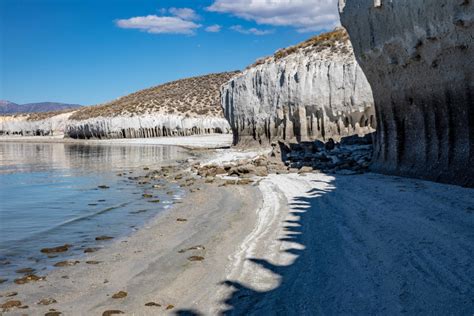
{"points": [[145, 126], [316, 91], [24, 125], [419, 59]]}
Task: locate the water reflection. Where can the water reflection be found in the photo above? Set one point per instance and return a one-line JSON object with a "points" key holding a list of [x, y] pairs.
{"points": [[49, 196]]}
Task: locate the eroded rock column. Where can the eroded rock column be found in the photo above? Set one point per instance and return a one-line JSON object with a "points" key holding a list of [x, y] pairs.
{"points": [[418, 57]]}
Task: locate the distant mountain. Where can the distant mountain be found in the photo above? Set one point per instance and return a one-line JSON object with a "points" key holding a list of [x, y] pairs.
{"points": [[7, 107]]}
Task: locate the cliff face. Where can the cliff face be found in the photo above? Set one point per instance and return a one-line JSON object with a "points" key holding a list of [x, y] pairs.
{"points": [[180, 108], [45, 124], [419, 59], [146, 126], [314, 90]]}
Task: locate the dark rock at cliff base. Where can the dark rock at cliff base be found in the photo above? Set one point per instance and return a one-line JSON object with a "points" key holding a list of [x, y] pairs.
{"points": [[330, 144]]}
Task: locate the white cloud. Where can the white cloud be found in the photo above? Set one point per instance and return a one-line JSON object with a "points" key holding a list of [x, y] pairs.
{"points": [[216, 28], [304, 15], [159, 24], [184, 13], [253, 31]]}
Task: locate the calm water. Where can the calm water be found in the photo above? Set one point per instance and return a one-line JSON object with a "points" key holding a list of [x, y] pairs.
{"points": [[49, 196]]}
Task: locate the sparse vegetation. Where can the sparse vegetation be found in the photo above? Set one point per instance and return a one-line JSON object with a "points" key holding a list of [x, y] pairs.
{"points": [[192, 96], [335, 41]]}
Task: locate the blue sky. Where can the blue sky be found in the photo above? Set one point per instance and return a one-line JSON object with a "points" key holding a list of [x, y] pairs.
{"points": [[93, 51]]}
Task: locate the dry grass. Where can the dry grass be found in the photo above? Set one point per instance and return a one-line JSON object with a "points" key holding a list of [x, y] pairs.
{"points": [[192, 96], [334, 40]]}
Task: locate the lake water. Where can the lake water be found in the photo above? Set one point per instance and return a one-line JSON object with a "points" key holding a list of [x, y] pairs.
{"points": [[49, 196]]}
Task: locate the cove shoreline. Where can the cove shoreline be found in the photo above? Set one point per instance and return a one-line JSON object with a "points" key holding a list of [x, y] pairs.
{"points": [[286, 243]]}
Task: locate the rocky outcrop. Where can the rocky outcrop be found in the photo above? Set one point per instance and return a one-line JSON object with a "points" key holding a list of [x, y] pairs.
{"points": [[45, 124], [146, 126], [419, 59], [180, 108], [314, 90]]}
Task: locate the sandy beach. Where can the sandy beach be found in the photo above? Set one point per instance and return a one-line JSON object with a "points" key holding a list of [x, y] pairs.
{"points": [[286, 244]]}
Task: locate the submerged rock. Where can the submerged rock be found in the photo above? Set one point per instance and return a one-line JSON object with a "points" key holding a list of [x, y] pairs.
{"points": [[25, 270], [89, 250], [58, 249], [66, 263], [103, 237]]}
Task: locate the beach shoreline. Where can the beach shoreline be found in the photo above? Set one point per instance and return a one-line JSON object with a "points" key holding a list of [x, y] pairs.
{"points": [[307, 242], [210, 141]]}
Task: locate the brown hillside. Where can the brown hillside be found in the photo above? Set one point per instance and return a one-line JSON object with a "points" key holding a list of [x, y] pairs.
{"points": [[192, 96]]}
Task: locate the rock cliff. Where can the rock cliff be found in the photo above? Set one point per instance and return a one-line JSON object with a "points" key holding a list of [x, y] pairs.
{"points": [[184, 107], [180, 108], [41, 124], [419, 59], [314, 90]]}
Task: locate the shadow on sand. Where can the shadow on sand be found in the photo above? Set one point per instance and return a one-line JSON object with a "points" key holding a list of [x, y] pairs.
{"points": [[368, 245]]}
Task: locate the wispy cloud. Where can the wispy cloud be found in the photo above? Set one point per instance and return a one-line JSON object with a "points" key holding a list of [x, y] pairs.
{"points": [[304, 15], [181, 22], [252, 31], [216, 28]]}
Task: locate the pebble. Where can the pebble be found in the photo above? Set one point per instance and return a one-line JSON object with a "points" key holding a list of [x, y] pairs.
{"points": [[11, 304], [181, 220], [47, 301], [120, 294], [66, 263], [153, 304], [195, 258], [28, 278], [112, 312]]}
